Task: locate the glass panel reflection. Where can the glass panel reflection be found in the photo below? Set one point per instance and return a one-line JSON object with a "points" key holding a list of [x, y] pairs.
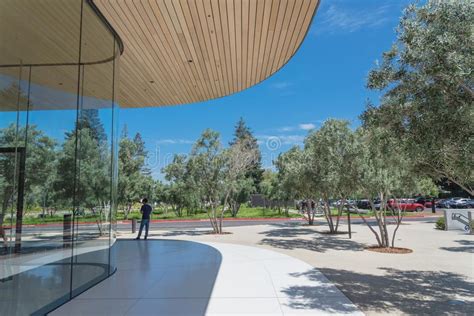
{"points": [[58, 175]]}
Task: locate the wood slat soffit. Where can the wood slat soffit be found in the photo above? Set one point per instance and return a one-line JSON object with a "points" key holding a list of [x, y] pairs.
{"points": [[185, 51]]}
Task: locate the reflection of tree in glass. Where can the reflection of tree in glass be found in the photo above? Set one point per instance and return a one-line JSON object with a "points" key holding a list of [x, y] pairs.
{"points": [[89, 118], [84, 168], [39, 169]]}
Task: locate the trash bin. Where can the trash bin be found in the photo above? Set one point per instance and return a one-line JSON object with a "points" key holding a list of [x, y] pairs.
{"points": [[134, 226], [67, 230]]}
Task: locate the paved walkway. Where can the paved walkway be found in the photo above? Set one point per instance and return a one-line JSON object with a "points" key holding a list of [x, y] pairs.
{"points": [[171, 277], [437, 278]]}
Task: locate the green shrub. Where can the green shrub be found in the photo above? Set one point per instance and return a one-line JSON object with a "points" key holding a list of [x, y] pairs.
{"points": [[441, 224]]}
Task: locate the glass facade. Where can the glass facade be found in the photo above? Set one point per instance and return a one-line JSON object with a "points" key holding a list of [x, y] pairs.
{"points": [[58, 152]]}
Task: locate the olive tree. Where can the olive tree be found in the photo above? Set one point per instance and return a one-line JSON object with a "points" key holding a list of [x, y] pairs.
{"points": [[427, 85], [282, 184], [178, 192], [219, 174], [385, 173], [295, 179], [272, 189], [331, 153], [239, 159], [206, 164]]}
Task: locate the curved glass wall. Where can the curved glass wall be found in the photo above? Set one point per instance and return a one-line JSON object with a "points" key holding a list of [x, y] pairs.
{"points": [[58, 152]]}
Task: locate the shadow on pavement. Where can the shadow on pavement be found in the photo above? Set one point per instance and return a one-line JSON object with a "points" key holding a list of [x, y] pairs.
{"points": [[288, 232], [411, 292], [321, 243], [173, 233], [466, 246]]}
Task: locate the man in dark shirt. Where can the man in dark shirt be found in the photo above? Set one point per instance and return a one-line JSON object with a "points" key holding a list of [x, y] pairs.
{"points": [[146, 213]]}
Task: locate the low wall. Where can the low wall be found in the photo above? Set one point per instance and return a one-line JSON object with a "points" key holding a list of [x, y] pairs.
{"points": [[459, 219]]}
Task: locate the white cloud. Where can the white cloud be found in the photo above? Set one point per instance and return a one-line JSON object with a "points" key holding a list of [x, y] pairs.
{"points": [[174, 141], [307, 126], [301, 126], [338, 18]]}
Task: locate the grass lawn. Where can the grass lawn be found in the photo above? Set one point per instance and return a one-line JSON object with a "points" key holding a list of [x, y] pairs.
{"points": [[159, 213], [244, 212]]}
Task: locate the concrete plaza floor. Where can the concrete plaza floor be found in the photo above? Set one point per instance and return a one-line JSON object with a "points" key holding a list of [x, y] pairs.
{"points": [[436, 279], [171, 277]]}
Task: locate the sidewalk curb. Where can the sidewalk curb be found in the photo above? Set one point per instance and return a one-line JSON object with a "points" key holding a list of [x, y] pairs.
{"points": [[249, 219]]}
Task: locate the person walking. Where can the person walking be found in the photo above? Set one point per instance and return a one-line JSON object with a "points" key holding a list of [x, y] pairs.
{"points": [[146, 213]]}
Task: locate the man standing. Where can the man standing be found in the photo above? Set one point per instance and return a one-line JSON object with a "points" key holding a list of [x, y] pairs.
{"points": [[146, 213]]}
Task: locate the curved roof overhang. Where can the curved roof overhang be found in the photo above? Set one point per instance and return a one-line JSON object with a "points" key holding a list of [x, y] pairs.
{"points": [[185, 51], [172, 51]]}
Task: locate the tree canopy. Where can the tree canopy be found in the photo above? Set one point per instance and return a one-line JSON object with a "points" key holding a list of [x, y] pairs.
{"points": [[427, 84]]}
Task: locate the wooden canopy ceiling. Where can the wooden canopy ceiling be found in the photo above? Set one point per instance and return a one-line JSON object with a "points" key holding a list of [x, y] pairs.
{"points": [[185, 51], [173, 51]]}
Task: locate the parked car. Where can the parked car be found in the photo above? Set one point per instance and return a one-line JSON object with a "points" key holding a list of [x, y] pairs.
{"points": [[377, 204], [455, 202], [406, 205], [470, 203], [426, 202], [363, 204], [458, 203], [357, 210], [442, 203], [347, 203]]}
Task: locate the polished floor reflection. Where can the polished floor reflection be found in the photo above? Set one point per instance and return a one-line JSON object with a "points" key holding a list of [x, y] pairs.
{"points": [[170, 277], [35, 284]]}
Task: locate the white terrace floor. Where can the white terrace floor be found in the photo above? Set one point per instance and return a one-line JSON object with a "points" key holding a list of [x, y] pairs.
{"points": [[171, 277]]}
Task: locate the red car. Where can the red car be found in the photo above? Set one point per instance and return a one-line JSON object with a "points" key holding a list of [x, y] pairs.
{"points": [[406, 205], [424, 201]]}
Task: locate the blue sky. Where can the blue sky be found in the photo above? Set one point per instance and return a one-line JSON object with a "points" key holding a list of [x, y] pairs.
{"points": [[325, 79]]}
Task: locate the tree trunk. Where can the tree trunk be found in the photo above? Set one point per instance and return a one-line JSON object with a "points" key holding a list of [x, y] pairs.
{"points": [[370, 227], [235, 207], [385, 229], [379, 216], [127, 210], [98, 221], [379, 238], [2, 231], [339, 213], [221, 218], [308, 213], [212, 214], [400, 215], [327, 214]]}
